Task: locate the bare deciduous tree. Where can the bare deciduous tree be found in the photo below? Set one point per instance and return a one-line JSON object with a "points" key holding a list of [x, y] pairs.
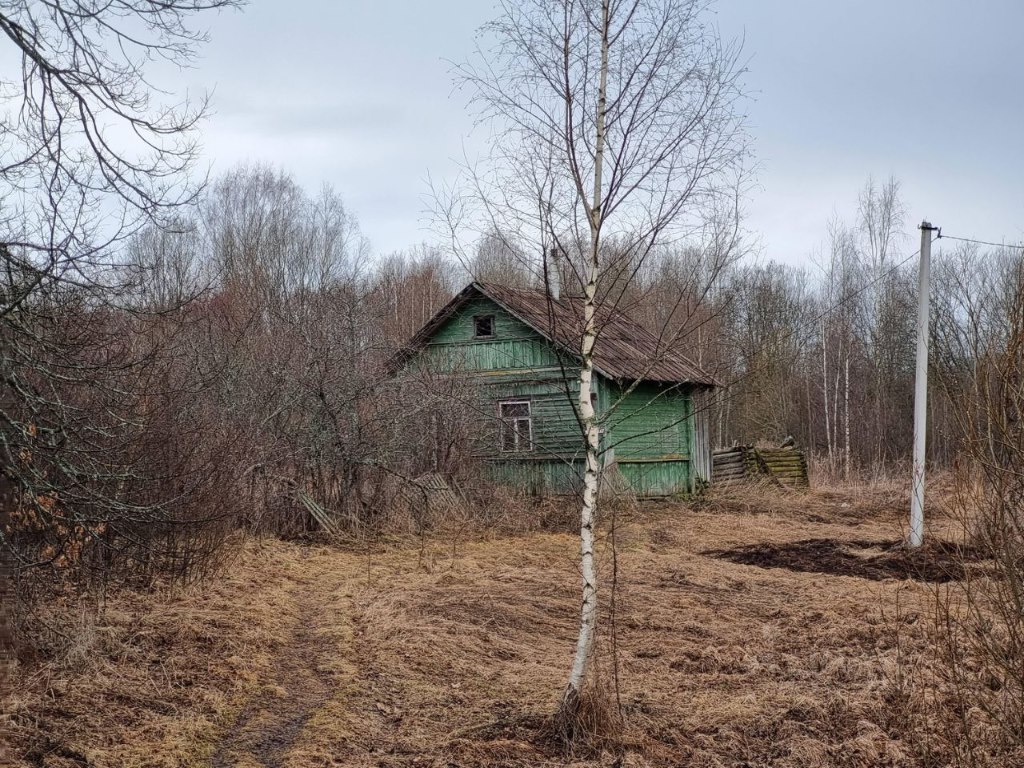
{"points": [[90, 155], [617, 129], [980, 618], [90, 151]]}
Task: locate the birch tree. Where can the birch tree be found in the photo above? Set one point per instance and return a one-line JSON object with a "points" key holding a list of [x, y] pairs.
{"points": [[885, 321], [613, 121]]}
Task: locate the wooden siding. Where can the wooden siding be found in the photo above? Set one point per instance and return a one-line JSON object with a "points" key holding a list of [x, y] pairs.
{"points": [[624, 350], [651, 433], [656, 478], [556, 431], [539, 477], [556, 462], [701, 449], [513, 347], [516, 363]]}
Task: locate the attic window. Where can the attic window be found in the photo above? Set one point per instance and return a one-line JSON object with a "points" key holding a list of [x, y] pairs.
{"points": [[515, 426], [483, 327]]}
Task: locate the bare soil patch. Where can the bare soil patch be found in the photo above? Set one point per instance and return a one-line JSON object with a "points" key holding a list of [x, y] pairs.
{"points": [[936, 562]]}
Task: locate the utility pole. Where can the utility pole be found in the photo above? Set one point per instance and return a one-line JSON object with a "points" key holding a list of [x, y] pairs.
{"points": [[921, 390]]}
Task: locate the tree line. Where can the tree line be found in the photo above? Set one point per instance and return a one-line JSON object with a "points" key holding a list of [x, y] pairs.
{"points": [[821, 350], [231, 372]]}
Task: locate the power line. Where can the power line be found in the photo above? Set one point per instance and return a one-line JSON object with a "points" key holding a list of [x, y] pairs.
{"points": [[980, 242]]}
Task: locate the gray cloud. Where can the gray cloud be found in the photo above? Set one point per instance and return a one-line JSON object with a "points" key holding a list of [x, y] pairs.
{"points": [[359, 95]]}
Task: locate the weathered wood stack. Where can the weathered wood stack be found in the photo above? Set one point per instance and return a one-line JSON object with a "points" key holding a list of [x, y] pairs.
{"points": [[745, 463], [732, 465], [786, 465]]}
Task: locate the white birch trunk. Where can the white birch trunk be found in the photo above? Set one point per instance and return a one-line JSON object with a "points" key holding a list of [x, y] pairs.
{"points": [[835, 406], [811, 438], [824, 390], [588, 611], [846, 418]]}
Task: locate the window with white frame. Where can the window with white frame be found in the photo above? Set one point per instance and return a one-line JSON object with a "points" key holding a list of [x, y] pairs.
{"points": [[515, 426]]}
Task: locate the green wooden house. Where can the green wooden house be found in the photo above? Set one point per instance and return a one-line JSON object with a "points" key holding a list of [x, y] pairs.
{"points": [[517, 346]]}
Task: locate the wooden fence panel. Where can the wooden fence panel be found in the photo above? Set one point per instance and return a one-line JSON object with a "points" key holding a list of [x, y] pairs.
{"points": [[745, 463]]}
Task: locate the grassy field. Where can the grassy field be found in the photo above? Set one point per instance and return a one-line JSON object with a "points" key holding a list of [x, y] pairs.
{"points": [[764, 629]]}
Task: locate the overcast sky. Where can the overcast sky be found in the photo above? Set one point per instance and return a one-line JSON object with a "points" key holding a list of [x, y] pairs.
{"points": [[359, 95]]}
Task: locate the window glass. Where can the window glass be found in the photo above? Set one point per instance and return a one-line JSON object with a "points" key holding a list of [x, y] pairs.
{"points": [[515, 426], [508, 439], [515, 409], [483, 326]]}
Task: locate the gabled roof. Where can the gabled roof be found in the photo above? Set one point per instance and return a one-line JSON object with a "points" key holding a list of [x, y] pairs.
{"points": [[624, 350]]}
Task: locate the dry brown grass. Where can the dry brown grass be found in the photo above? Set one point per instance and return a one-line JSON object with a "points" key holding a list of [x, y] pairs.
{"points": [[428, 654]]}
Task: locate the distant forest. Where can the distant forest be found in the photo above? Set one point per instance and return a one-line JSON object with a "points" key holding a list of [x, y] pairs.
{"points": [[822, 352]]}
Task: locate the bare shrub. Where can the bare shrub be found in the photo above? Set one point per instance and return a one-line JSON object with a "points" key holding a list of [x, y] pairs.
{"points": [[97, 451], [110, 471], [980, 619]]}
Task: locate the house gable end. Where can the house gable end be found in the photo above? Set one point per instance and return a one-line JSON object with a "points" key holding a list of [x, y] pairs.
{"points": [[507, 344]]}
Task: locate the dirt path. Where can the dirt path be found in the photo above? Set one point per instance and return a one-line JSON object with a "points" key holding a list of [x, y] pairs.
{"points": [[305, 679]]}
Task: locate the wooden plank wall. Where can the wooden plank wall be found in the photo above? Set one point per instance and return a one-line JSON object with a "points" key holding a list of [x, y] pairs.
{"points": [[744, 463], [701, 453]]}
